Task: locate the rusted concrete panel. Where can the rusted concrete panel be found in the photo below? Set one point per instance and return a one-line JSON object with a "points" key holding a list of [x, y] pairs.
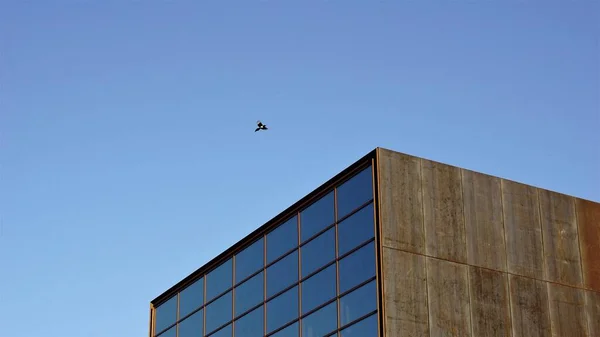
{"points": [[588, 221], [567, 311], [483, 220], [529, 307], [405, 294], [523, 230], [401, 201], [592, 308], [443, 211], [448, 292], [562, 262], [490, 308]]}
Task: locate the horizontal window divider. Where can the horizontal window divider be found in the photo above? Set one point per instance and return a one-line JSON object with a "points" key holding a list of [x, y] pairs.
{"points": [[325, 229], [283, 256], [320, 269], [190, 314], [359, 246], [217, 329], [165, 329], [283, 327], [218, 297], [282, 291], [256, 306], [363, 283], [249, 277], [356, 210], [358, 320], [319, 307]]}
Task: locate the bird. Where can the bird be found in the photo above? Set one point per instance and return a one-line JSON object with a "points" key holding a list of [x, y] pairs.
{"points": [[260, 126]]}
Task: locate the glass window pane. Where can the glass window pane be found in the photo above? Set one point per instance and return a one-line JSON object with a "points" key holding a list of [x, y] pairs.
{"points": [[225, 332], [317, 252], [356, 229], [249, 294], [191, 298], [321, 322], [166, 314], [288, 331], [218, 312], [358, 303], [251, 324], [282, 274], [282, 309], [354, 192], [169, 333], [318, 289], [219, 280], [192, 326], [365, 328], [249, 260], [282, 239], [357, 267], [317, 216]]}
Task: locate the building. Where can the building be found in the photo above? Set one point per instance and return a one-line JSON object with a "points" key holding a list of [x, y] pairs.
{"points": [[397, 245]]}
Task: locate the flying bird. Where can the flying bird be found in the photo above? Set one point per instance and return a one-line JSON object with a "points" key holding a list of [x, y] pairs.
{"points": [[260, 126]]}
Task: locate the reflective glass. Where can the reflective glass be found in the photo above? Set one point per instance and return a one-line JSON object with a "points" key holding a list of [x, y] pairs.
{"points": [[251, 324], [192, 326], [356, 229], [282, 274], [249, 294], [317, 252], [282, 309], [282, 239], [170, 333], [358, 303], [219, 280], [365, 328], [318, 289], [191, 298], [321, 322], [317, 216], [225, 332], [357, 267], [249, 260], [166, 314], [354, 192], [288, 331], [218, 312]]}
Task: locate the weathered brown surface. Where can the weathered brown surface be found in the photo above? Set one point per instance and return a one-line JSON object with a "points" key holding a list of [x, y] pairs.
{"points": [[567, 311], [562, 262], [483, 220], [443, 211], [529, 307], [405, 294], [588, 219], [522, 229], [401, 202], [448, 291], [490, 308], [592, 308]]}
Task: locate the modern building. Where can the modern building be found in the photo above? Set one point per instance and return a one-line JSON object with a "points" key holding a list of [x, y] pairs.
{"points": [[397, 245]]}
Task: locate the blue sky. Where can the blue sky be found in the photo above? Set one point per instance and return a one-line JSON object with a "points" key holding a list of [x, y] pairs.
{"points": [[128, 152]]}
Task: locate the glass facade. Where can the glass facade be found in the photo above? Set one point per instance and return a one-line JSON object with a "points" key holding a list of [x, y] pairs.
{"points": [[312, 276]]}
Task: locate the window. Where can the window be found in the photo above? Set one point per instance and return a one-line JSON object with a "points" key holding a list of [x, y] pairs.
{"points": [[354, 192], [219, 280], [191, 298], [169, 333], [356, 229], [288, 331], [250, 324], [249, 260], [282, 274], [321, 322], [317, 216], [192, 326], [316, 253], [365, 328], [282, 309], [224, 332], [218, 312], [318, 289], [357, 267], [249, 294], [282, 239], [358, 303], [166, 314]]}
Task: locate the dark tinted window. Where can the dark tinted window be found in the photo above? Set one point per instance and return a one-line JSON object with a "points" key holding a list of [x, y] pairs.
{"points": [[357, 267], [282, 239], [192, 326], [219, 280], [282, 309], [355, 192], [356, 229], [317, 216], [166, 314], [249, 260], [251, 324], [191, 298], [224, 332], [288, 331], [282, 274], [316, 253], [319, 323], [318, 289], [218, 312], [358, 303], [169, 333], [249, 294], [365, 328]]}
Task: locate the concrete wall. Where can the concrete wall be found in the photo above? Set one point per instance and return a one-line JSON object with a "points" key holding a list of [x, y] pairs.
{"points": [[467, 254]]}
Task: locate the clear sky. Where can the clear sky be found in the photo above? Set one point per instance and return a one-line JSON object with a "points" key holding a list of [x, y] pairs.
{"points": [[128, 152]]}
